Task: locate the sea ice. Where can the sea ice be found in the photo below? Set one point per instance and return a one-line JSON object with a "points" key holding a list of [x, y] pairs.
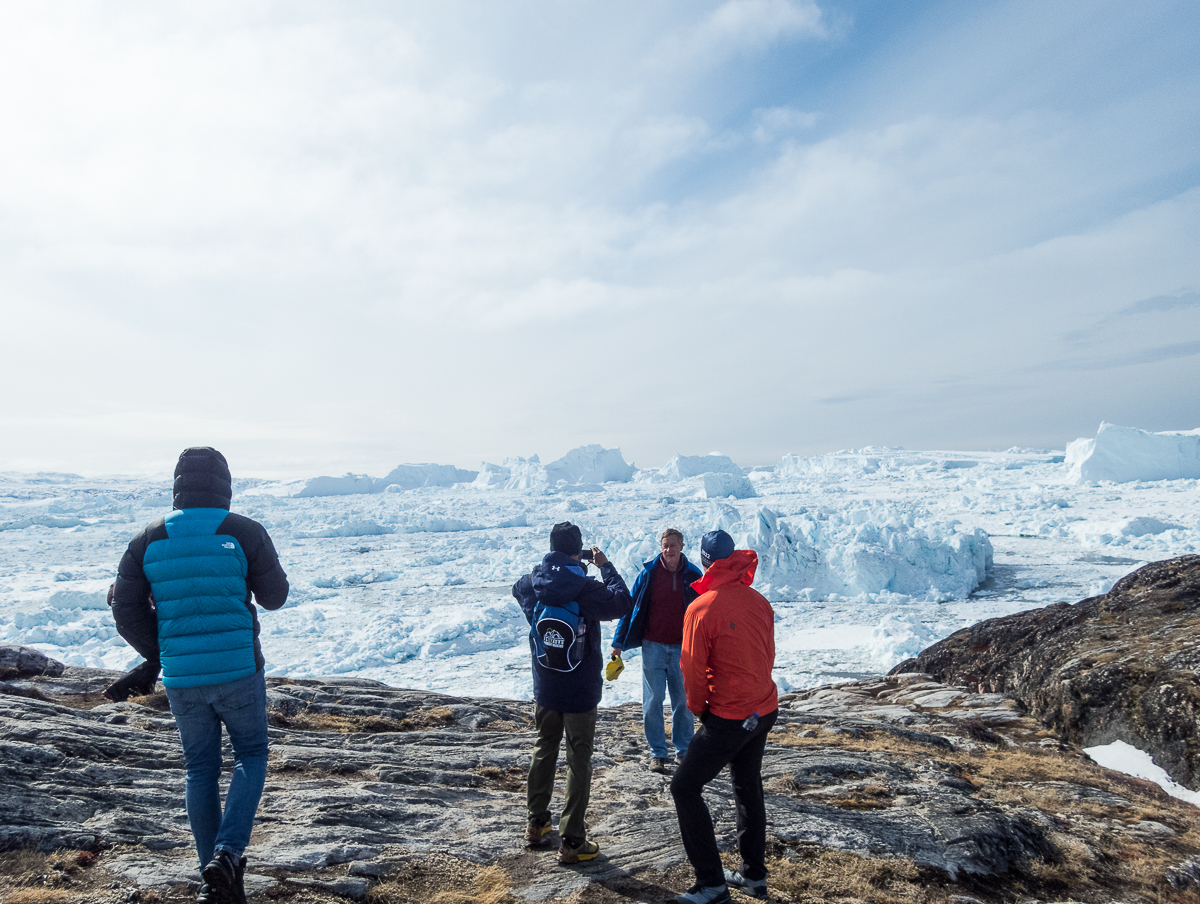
{"points": [[866, 556]]}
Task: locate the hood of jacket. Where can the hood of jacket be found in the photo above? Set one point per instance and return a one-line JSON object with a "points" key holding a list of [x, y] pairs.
{"points": [[202, 480], [738, 568], [558, 579]]}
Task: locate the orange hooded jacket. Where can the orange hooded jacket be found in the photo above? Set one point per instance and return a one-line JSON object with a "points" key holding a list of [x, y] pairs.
{"points": [[729, 642]]}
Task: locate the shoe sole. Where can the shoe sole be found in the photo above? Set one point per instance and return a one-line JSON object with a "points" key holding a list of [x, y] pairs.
{"points": [[759, 894], [572, 859], [545, 836]]}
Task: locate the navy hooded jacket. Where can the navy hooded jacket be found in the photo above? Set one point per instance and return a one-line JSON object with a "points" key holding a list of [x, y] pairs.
{"points": [[201, 563], [561, 579]]}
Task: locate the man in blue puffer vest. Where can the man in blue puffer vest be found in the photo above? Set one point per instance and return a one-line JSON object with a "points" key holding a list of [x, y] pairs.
{"points": [[182, 598], [661, 595]]}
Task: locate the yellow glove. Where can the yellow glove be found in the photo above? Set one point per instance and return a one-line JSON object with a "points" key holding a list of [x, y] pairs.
{"points": [[614, 668]]}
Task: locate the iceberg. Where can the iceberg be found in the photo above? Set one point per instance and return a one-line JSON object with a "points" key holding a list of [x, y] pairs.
{"points": [[1125, 454], [402, 477]]}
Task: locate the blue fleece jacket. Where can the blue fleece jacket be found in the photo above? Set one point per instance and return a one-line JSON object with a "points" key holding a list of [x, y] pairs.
{"points": [[631, 629]]}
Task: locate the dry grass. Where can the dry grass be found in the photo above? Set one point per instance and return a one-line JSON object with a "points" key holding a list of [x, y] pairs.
{"points": [[31, 877], [427, 884], [835, 876], [882, 741], [156, 701], [23, 867], [514, 778], [318, 721], [315, 720], [508, 725], [870, 797], [39, 896]]}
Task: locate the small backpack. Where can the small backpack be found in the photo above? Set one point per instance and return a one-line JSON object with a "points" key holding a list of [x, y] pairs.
{"points": [[558, 636]]}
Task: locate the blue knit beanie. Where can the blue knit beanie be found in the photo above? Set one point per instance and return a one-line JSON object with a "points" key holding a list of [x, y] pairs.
{"points": [[716, 545]]}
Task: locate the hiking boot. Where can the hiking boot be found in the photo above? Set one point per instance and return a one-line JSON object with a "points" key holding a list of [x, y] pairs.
{"points": [[223, 875], [755, 888], [536, 830], [658, 764], [206, 895], [701, 894], [569, 853]]}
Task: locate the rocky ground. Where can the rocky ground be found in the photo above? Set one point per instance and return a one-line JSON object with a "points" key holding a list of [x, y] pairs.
{"points": [[1122, 666], [895, 789]]}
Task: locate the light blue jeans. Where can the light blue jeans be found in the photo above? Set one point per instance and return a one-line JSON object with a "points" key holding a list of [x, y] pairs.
{"points": [[660, 672], [241, 706]]}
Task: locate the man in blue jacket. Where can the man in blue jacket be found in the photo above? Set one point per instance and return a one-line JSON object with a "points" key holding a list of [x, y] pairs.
{"points": [[564, 608], [182, 598], [661, 595]]}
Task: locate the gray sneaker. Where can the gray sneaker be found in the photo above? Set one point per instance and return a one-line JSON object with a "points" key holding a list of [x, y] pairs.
{"points": [[755, 888], [699, 894]]}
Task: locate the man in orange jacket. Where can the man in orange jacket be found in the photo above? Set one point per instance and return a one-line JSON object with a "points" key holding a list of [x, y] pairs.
{"points": [[728, 654]]}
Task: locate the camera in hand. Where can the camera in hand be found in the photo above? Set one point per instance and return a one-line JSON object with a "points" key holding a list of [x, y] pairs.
{"points": [[585, 554]]}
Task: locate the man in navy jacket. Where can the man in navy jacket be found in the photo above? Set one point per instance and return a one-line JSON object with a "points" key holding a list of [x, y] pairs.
{"points": [[661, 594], [565, 701], [182, 598]]}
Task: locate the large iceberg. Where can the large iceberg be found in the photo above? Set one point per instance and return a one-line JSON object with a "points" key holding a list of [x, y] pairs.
{"points": [[1124, 454], [860, 551], [584, 466], [590, 464], [717, 475], [402, 477], [683, 466]]}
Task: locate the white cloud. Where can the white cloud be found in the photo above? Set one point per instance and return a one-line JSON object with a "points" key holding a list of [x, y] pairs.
{"points": [[389, 224], [740, 24]]}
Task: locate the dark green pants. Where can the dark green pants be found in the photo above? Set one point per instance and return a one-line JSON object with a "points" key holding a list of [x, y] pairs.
{"points": [[580, 729]]}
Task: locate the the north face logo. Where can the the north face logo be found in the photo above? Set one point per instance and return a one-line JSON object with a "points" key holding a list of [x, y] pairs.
{"points": [[553, 639], [229, 545]]}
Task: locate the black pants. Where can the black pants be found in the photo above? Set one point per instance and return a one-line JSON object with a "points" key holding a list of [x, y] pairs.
{"points": [[720, 743]]}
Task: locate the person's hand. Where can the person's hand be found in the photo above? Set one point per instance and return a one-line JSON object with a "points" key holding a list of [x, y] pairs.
{"points": [[616, 651], [598, 557]]}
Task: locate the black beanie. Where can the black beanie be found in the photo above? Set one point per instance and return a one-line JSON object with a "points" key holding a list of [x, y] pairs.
{"points": [[566, 538]]}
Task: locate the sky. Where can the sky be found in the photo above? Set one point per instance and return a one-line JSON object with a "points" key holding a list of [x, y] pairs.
{"points": [[328, 237]]}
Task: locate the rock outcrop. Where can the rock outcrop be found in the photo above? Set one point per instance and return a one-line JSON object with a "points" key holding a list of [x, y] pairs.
{"points": [[896, 788], [1122, 666]]}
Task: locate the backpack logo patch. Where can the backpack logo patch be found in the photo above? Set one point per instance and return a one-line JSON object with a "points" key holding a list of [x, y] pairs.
{"points": [[558, 636]]}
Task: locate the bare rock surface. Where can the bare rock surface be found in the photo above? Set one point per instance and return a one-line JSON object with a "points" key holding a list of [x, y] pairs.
{"points": [[395, 795], [1122, 666]]}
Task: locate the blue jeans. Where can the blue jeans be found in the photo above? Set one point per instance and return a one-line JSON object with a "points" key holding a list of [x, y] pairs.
{"points": [[199, 713], [660, 671]]}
